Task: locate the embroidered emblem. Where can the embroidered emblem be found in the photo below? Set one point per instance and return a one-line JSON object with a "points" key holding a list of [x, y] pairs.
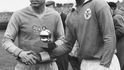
{"points": [[87, 14], [36, 28]]}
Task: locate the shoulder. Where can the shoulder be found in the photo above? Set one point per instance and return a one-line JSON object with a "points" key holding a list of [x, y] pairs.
{"points": [[72, 15], [51, 11], [118, 16], [24, 10], [100, 4], [15, 14], [70, 18]]}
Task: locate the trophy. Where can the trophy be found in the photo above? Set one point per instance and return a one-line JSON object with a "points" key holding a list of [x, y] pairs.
{"points": [[45, 35]]}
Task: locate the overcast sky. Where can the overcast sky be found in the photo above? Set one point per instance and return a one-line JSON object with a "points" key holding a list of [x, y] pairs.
{"points": [[14, 5]]}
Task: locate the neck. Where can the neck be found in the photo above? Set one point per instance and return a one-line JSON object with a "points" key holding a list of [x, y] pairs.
{"points": [[39, 10], [78, 8]]}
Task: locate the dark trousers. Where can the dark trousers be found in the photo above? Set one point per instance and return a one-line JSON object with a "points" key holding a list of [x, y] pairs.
{"points": [[120, 51], [62, 62], [75, 63]]}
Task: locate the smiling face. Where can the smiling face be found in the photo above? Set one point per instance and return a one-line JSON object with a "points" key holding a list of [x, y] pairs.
{"points": [[37, 3]]}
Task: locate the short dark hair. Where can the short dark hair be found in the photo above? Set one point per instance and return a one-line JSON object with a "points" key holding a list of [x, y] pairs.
{"points": [[49, 3], [112, 5]]}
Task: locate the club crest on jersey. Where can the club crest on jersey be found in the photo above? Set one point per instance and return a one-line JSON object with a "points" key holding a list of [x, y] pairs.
{"points": [[87, 14], [36, 28]]}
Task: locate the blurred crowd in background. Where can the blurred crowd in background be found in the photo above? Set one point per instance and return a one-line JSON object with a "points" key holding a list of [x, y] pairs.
{"points": [[5, 16], [65, 8]]}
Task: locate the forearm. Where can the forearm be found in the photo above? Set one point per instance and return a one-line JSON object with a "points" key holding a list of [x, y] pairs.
{"points": [[109, 38], [108, 51], [60, 49], [10, 46]]}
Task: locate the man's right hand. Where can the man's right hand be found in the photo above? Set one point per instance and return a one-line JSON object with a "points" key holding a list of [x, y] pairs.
{"points": [[28, 57]]}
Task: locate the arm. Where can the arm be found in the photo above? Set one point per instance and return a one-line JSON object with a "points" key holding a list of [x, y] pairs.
{"points": [[10, 35], [67, 42], [108, 32], [58, 35], [11, 32], [119, 25]]}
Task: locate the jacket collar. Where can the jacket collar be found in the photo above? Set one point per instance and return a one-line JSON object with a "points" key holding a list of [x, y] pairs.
{"points": [[86, 1]]}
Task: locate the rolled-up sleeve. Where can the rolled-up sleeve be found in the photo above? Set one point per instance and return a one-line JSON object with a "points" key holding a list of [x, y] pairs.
{"points": [[10, 35], [108, 32]]}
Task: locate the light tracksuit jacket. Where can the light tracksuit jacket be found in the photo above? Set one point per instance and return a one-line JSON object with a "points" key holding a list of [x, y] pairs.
{"points": [[26, 24]]}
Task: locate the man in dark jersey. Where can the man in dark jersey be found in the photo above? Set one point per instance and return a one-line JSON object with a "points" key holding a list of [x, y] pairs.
{"points": [[91, 24]]}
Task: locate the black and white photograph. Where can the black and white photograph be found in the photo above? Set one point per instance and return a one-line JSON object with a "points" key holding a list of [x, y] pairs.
{"points": [[61, 34]]}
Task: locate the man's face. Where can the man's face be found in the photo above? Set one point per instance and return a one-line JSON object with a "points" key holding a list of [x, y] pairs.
{"points": [[37, 3]]}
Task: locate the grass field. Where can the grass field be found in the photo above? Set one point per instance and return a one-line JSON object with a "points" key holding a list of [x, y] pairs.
{"points": [[7, 62]]}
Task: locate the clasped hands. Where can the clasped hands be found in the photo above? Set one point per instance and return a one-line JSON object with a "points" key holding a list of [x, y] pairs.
{"points": [[30, 57]]}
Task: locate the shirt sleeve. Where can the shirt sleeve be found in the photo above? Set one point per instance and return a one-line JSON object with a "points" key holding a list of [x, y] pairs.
{"points": [[107, 30], [67, 42], [119, 25], [10, 35]]}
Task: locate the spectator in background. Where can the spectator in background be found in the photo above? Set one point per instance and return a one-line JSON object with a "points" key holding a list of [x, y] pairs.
{"points": [[36, 27], [119, 28], [64, 14], [63, 17], [114, 9]]}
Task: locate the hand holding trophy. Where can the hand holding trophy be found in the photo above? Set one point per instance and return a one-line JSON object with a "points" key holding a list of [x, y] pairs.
{"points": [[45, 37]]}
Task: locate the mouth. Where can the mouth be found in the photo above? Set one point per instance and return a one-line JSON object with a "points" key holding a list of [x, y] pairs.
{"points": [[34, 3]]}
